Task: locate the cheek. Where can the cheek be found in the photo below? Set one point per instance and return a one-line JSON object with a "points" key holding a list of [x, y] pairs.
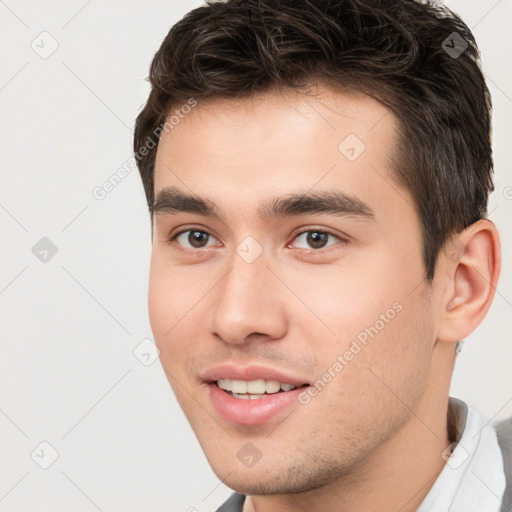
{"points": [[169, 300], [372, 392], [381, 330], [160, 300], [167, 307], [171, 293], [340, 303]]}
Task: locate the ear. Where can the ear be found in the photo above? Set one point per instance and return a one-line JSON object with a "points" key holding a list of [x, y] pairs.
{"points": [[472, 263]]}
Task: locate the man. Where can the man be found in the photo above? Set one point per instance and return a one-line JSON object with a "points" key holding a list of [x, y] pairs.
{"points": [[317, 173]]}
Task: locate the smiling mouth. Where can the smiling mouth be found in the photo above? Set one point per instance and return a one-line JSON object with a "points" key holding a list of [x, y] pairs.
{"points": [[254, 389]]}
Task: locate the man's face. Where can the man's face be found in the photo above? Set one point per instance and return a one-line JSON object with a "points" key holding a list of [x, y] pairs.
{"points": [[333, 304]]}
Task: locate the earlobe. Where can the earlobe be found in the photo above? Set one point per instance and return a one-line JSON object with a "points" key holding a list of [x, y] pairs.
{"points": [[474, 269]]}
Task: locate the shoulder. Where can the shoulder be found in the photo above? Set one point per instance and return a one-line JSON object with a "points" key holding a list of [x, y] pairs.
{"points": [[503, 430], [234, 503]]}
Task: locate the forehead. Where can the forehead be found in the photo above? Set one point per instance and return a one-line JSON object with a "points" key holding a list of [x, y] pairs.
{"points": [[273, 144]]}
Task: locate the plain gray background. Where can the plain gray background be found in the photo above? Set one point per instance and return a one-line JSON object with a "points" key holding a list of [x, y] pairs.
{"points": [[72, 325]]}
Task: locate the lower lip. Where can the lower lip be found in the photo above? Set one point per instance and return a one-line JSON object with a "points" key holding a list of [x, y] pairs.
{"points": [[252, 412]]}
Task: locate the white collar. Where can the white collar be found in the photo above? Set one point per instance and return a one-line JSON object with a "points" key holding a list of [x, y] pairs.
{"points": [[473, 478]]}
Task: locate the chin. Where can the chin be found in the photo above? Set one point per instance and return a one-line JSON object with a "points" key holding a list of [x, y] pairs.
{"points": [[270, 478]]}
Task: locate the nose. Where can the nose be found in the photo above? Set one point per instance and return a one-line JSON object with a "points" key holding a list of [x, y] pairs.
{"points": [[249, 303]]}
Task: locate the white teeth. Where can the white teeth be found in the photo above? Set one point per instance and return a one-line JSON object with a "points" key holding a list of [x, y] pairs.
{"points": [[224, 384], [272, 386], [253, 389], [239, 386], [256, 387]]}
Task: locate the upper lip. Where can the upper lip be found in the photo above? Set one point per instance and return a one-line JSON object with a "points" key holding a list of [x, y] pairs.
{"points": [[251, 372]]}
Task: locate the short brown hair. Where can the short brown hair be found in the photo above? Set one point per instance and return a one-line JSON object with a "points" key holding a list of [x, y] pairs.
{"points": [[417, 58]]}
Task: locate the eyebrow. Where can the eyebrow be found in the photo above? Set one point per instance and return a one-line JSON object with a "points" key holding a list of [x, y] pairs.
{"points": [[171, 201]]}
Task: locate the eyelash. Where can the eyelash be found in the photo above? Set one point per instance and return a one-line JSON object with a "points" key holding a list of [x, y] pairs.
{"points": [[172, 239]]}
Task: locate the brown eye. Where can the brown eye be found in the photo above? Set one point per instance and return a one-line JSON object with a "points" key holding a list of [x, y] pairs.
{"points": [[316, 239], [196, 239]]}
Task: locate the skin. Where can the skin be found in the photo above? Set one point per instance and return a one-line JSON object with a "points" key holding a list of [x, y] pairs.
{"points": [[372, 438]]}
